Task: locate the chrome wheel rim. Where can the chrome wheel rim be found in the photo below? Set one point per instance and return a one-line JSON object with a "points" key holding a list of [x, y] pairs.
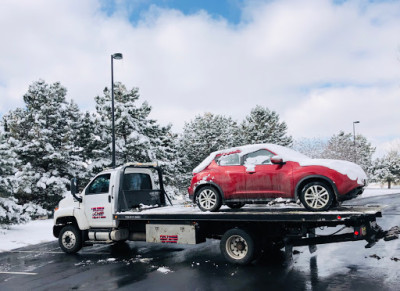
{"points": [[207, 199], [68, 239], [316, 196], [236, 247]]}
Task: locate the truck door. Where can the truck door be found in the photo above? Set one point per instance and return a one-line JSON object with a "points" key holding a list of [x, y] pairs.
{"points": [[98, 201]]}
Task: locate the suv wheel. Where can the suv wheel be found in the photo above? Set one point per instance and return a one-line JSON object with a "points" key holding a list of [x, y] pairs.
{"points": [[316, 196], [208, 199]]}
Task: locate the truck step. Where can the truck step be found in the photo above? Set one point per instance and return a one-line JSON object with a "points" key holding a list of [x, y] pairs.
{"points": [[99, 242]]}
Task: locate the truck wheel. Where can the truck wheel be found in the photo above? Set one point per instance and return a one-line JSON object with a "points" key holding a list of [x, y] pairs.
{"points": [[316, 196], [238, 246], [235, 205], [70, 239], [208, 199]]}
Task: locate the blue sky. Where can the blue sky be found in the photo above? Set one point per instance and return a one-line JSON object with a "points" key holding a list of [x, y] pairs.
{"points": [[228, 9]]}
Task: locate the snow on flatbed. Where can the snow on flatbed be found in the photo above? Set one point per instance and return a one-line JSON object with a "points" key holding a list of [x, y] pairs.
{"points": [[251, 212]]}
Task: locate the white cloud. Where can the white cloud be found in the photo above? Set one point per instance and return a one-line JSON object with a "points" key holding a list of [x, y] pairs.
{"points": [[305, 59], [327, 111]]}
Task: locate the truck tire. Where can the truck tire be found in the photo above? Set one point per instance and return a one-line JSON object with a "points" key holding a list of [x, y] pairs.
{"points": [[235, 205], [238, 246], [317, 196], [208, 199], [70, 239]]}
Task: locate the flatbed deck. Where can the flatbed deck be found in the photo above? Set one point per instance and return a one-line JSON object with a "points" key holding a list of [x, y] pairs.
{"points": [[339, 215]]}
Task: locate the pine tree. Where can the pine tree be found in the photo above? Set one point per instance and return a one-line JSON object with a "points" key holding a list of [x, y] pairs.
{"points": [[137, 137], [8, 160], [201, 136], [387, 169], [264, 126], [342, 147], [41, 130], [311, 147]]}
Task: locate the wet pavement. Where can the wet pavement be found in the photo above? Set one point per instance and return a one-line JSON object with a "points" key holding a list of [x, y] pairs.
{"points": [[142, 266]]}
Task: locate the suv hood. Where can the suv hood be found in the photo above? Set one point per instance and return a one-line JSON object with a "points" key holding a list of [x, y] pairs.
{"points": [[352, 170]]}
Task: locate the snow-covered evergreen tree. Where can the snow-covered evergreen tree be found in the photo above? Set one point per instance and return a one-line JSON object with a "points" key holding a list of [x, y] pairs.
{"points": [[341, 147], [263, 126], [311, 147], [42, 135], [387, 169], [8, 161], [138, 138], [201, 136]]}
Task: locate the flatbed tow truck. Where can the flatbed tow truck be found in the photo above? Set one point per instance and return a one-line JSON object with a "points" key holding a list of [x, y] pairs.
{"points": [[129, 203]]}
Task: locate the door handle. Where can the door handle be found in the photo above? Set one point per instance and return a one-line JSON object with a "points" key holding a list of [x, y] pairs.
{"points": [[251, 172], [109, 198]]}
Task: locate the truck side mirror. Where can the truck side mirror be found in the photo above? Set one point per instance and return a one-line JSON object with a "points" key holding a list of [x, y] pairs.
{"points": [[74, 189]]}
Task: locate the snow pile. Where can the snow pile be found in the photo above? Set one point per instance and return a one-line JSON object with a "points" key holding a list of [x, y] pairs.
{"points": [[164, 270], [353, 171]]}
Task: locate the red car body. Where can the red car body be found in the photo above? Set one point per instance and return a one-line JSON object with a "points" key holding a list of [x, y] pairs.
{"points": [[284, 175]]}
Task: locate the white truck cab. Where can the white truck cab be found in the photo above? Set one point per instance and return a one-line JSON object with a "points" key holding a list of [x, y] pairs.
{"points": [[88, 216]]}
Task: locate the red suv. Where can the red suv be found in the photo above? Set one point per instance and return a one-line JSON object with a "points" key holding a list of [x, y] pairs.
{"points": [[263, 172]]}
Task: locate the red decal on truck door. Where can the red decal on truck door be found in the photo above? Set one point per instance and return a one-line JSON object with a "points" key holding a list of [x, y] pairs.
{"points": [[98, 212]]}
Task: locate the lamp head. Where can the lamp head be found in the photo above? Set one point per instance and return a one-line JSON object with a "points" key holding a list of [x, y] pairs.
{"points": [[117, 56]]}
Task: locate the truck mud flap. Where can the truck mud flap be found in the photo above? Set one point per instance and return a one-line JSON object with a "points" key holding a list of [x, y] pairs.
{"points": [[376, 233], [392, 233]]}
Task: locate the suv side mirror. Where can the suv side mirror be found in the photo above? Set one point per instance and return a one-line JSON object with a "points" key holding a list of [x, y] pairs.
{"points": [[277, 160], [74, 189]]}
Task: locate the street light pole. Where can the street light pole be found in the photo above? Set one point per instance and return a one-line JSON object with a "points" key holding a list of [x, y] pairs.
{"points": [[117, 56], [354, 137]]}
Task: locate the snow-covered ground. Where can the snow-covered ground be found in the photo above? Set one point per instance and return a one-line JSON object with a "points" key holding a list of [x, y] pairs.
{"points": [[34, 232], [374, 189], [40, 231]]}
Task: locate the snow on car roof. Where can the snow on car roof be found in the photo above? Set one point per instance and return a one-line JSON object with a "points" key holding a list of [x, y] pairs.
{"points": [[286, 153], [352, 170]]}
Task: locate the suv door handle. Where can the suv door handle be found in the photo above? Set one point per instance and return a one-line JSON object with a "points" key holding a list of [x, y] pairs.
{"points": [[109, 198]]}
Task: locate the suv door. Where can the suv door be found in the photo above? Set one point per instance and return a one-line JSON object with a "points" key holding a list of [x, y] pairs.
{"points": [[231, 176], [98, 201], [264, 179]]}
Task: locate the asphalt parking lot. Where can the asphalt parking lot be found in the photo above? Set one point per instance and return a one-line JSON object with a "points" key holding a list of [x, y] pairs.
{"points": [[137, 265]]}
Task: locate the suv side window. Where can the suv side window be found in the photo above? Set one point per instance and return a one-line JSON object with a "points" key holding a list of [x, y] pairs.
{"points": [[229, 160], [260, 157], [100, 185]]}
